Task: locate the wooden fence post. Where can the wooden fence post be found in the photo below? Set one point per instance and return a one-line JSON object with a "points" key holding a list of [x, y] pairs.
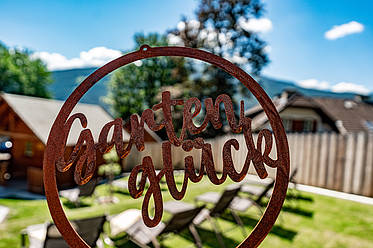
{"points": [[368, 174], [307, 158], [330, 179], [315, 157], [349, 163], [340, 163], [324, 151], [301, 162], [359, 163]]}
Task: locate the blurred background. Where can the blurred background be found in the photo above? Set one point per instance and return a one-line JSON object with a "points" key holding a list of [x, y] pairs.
{"points": [[312, 58]]}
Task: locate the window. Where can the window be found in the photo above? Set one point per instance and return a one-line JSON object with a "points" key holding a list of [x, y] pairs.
{"points": [[287, 125], [308, 126], [300, 126], [369, 125], [28, 149]]}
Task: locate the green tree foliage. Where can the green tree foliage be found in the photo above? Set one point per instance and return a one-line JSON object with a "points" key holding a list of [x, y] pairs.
{"points": [[135, 87], [218, 28], [23, 75], [110, 169]]}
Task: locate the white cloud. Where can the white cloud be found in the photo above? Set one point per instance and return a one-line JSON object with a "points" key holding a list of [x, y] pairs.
{"points": [[339, 87], [314, 84], [262, 25], [174, 40], [193, 26], [236, 58], [267, 49], [340, 31], [350, 87], [181, 26], [208, 35], [138, 63], [94, 57]]}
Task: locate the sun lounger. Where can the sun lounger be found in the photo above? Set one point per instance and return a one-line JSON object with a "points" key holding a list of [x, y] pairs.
{"points": [[222, 202], [228, 200], [47, 235], [258, 192], [262, 190], [142, 235], [86, 190]]}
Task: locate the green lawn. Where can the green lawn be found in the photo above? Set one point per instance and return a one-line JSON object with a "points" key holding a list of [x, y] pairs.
{"points": [[311, 221]]}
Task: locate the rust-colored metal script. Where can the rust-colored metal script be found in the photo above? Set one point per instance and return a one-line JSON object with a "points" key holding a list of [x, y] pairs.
{"points": [[85, 158]]}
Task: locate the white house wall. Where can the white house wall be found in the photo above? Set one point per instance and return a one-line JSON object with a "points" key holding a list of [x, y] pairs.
{"points": [[292, 113]]}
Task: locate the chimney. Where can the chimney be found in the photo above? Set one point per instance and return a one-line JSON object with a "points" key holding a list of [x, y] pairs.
{"points": [[284, 95], [358, 98]]}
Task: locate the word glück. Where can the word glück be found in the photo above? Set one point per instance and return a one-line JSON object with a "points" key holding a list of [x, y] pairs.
{"points": [[84, 152]]}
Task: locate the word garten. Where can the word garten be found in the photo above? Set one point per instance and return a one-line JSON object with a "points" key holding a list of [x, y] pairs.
{"points": [[85, 158]]}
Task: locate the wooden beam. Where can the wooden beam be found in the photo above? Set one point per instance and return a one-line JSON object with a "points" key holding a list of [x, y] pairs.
{"points": [[18, 135], [12, 124], [4, 114], [3, 107]]}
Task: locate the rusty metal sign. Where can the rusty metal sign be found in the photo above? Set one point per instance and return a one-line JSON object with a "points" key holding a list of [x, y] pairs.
{"points": [[85, 159]]}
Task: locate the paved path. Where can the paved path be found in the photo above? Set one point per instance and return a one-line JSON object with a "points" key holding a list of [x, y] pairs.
{"points": [[327, 192], [336, 194], [18, 189]]}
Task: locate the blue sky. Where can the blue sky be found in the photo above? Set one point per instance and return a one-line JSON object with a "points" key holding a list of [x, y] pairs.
{"points": [[64, 32]]}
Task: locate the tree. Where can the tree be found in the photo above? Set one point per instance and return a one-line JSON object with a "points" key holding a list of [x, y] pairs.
{"points": [[21, 74], [110, 169], [135, 87], [221, 28]]}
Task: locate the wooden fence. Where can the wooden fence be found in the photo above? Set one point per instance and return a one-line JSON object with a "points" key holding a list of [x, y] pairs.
{"points": [[338, 162], [328, 160]]}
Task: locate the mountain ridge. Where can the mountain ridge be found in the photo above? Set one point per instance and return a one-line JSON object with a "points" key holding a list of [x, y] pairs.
{"points": [[65, 81]]}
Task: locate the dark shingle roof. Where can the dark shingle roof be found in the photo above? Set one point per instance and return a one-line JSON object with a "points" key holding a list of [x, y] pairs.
{"points": [[353, 118], [352, 114]]}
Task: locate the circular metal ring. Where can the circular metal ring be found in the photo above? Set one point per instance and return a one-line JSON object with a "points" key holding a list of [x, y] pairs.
{"points": [[272, 211]]}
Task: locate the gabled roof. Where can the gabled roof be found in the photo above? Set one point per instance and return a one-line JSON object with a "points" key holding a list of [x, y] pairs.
{"points": [[39, 115], [147, 129], [345, 115], [354, 115]]}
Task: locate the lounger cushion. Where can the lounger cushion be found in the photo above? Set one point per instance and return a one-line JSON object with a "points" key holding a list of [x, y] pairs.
{"points": [[209, 197], [4, 211], [122, 184], [123, 221], [36, 235], [240, 204], [254, 180], [174, 207], [143, 234], [71, 194], [201, 217], [255, 190]]}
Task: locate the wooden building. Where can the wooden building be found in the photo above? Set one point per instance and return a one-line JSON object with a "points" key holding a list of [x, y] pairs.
{"points": [[301, 114], [26, 121]]}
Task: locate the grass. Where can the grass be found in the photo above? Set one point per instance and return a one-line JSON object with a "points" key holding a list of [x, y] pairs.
{"points": [[310, 221]]}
